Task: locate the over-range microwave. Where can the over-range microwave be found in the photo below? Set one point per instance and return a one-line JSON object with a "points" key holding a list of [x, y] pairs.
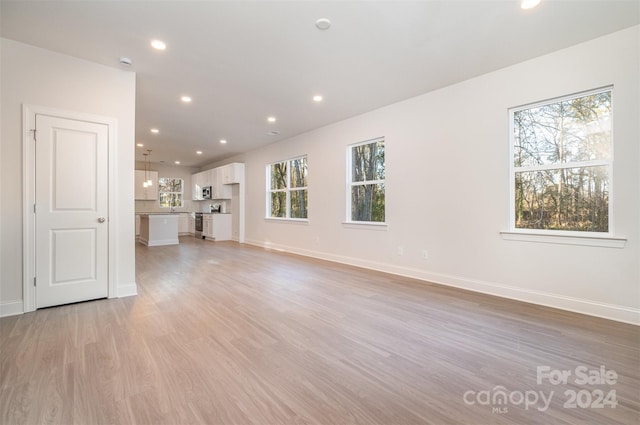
{"points": [[207, 193]]}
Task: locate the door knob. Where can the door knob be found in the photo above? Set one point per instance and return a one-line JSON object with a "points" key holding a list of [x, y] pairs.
{"points": [[101, 219]]}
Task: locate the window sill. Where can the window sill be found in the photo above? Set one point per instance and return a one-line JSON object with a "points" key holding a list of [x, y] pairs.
{"points": [[369, 225], [600, 241], [287, 220]]}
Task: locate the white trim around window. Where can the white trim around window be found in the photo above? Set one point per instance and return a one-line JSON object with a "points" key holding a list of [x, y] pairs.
{"points": [[173, 198], [543, 161], [374, 176], [287, 192]]}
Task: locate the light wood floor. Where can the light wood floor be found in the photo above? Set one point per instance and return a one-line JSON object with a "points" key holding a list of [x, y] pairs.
{"points": [[222, 333]]}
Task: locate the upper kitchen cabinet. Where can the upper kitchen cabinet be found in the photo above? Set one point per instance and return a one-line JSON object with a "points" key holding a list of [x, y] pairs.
{"points": [[232, 173], [149, 193], [219, 179], [221, 190], [200, 181], [197, 181]]}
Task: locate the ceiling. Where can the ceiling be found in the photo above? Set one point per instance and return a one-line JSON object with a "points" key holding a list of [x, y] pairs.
{"points": [[243, 61]]}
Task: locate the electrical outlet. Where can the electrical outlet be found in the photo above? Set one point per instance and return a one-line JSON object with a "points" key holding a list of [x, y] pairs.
{"points": [[425, 254], [400, 250]]}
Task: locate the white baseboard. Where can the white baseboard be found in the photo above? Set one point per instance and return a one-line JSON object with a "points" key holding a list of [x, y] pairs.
{"points": [[127, 290], [159, 242], [577, 305], [11, 308]]}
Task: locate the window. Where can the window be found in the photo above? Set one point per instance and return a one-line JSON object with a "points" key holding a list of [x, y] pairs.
{"points": [[561, 173], [171, 192], [287, 195], [366, 182]]}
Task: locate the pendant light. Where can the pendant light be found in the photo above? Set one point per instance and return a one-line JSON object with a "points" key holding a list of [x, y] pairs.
{"points": [[144, 183], [149, 181]]}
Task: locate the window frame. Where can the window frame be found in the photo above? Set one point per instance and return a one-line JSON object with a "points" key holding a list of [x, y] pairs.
{"points": [[561, 236], [287, 190], [350, 184], [181, 193]]}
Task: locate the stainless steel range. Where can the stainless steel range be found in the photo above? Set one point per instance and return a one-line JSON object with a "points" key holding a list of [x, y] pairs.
{"points": [[198, 225]]}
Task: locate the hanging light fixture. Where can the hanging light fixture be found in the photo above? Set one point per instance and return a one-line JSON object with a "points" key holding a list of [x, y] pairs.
{"points": [[149, 181], [144, 183]]}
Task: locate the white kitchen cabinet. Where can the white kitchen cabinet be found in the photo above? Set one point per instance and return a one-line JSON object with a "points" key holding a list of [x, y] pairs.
{"points": [[221, 190], [232, 173], [146, 193], [137, 225], [200, 180], [207, 226], [208, 177], [219, 179], [196, 191], [216, 226], [197, 183], [183, 223], [222, 227], [192, 224]]}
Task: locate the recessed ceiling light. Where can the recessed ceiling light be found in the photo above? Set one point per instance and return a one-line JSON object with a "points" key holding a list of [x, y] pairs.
{"points": [[223, 141], [139, 145], [529, 4], [198, 152], [177, 162], [155, 130], [317, 98], [271, 119], [323, 24], [158, 44], [185, 99]]}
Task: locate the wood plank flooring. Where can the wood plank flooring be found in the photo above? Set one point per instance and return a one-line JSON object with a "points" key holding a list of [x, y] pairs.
{"points": [[222, 333]]}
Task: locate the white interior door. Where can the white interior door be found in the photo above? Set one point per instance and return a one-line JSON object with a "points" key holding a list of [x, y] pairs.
{"points": [[71, 222]]}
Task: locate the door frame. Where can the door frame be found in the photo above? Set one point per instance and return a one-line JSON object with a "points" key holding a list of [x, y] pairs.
{"points": [[29, 113]]}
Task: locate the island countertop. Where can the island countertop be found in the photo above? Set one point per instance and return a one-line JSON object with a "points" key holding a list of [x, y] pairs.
{"points": [[162, 212]]}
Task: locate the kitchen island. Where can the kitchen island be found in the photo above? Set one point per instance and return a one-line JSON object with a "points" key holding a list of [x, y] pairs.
{"points": [[159, 229]]}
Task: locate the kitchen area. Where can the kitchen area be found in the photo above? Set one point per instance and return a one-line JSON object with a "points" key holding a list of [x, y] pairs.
{"points": [[173, 201]]}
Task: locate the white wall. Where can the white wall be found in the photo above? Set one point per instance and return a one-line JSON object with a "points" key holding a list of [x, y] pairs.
{"points": [[448, 187], [35, 76]]}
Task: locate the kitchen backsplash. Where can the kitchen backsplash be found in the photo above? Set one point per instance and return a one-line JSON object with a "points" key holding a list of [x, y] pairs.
{"points": [[205, 206]]}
